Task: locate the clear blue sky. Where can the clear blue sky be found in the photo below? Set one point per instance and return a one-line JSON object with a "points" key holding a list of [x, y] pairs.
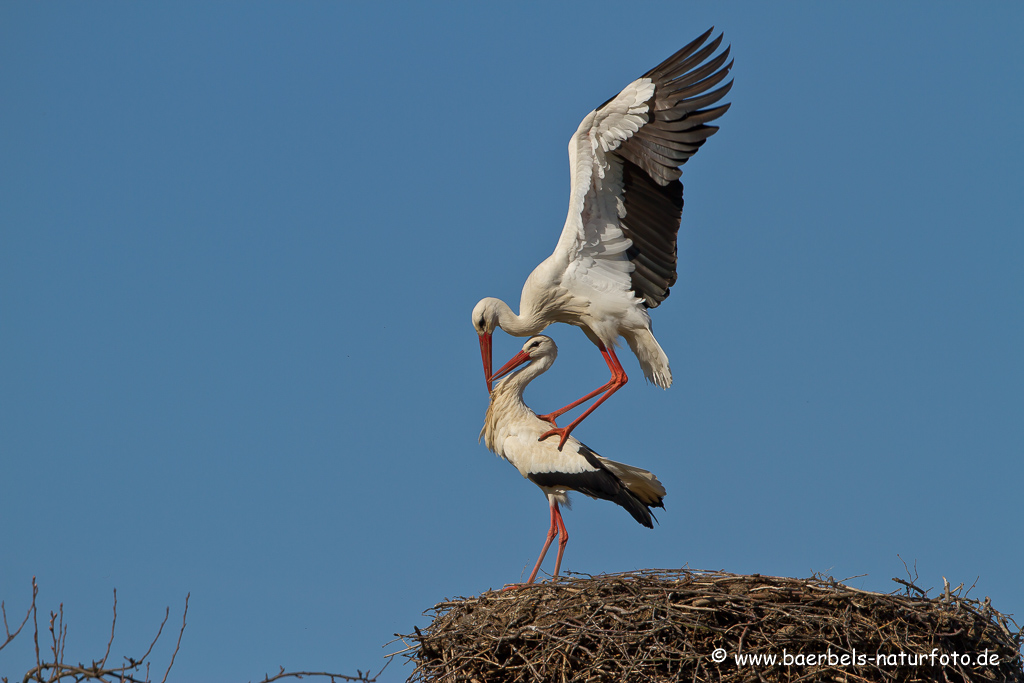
{"points": [[240, 244]]}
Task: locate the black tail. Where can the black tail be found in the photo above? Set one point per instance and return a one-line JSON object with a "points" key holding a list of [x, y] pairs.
{"points": [[640, 512]]}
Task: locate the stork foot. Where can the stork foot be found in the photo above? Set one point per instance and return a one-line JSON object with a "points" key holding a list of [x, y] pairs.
{"points": [[562, 432], [550, 419], [515, 586]]}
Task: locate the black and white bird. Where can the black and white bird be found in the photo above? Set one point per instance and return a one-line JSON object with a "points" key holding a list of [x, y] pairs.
{"points": [[616, 257], [511, 430]]}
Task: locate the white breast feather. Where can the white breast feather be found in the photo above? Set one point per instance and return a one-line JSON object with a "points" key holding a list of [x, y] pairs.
{"points": [[511, 430]]}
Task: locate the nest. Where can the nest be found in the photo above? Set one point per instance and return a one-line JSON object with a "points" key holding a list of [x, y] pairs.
{"points": [[682, 625]]}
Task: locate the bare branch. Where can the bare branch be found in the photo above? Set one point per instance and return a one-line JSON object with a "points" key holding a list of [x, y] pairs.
{"points": [[167, 613], [28, 613], [131, 671], [35, 634], [360, 677], [113, 623], [180, 634], [59, 670]]}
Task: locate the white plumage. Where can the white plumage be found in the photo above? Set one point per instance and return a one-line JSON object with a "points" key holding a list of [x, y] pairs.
{"points": [[512, 431], [616, 256]]}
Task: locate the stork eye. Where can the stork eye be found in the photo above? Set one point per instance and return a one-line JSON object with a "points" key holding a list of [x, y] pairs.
{"points": [[481, 324], [534, 344]]}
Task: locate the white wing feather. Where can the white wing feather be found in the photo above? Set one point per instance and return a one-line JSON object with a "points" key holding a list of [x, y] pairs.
{"points": [[592, 241], [521, 447]]}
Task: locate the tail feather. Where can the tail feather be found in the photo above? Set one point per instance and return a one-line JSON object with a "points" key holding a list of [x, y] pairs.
{"points": [[635, 507], [633, 488], [652, 357], [641, 483], [641, 490]]}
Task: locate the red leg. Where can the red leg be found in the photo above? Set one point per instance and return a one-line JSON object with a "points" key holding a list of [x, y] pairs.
{"points": [[617, 381], [613, 366], [563, 539], [550, 417], [556, 520]]}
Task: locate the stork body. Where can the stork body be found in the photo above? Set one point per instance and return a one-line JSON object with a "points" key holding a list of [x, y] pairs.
{"points": [[513, 431], [616, 256]]}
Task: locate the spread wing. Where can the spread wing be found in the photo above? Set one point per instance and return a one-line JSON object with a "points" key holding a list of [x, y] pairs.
{"points": [[626, 199]]}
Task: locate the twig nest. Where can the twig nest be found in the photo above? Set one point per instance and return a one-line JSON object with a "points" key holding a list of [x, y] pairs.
{"points": [[682, 625]]}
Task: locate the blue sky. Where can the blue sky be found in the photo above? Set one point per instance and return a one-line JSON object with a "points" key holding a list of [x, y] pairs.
{"points": [[239, 247]]}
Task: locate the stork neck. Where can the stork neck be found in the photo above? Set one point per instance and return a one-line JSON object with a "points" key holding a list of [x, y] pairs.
{"points": [[515, 384], [517, 325]]}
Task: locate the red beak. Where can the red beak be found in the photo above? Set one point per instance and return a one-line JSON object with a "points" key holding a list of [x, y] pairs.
{"points": [[515, 362], [485, 354]]}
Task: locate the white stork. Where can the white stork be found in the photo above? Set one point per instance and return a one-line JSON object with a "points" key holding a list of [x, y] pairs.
{"points": [[511, 430], [616, 256]]}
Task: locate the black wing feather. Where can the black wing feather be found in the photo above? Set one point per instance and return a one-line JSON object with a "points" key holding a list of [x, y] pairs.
{"points": [[684, 92], [601, 484]]}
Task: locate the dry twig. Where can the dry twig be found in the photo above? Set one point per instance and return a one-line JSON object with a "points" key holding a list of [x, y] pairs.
{"points": [[664, 625], [134, 670], [3, 608]]}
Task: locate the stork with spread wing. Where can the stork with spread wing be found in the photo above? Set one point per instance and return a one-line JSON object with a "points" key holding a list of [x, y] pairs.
{"points": [[616, 257]]}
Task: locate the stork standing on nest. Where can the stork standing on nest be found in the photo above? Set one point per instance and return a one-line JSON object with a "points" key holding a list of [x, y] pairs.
{"points": [[616, 256], [511, 430]]}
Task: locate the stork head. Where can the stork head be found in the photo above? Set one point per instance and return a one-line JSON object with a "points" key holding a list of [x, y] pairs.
{"points": [[541, 347], [485, 319]]}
